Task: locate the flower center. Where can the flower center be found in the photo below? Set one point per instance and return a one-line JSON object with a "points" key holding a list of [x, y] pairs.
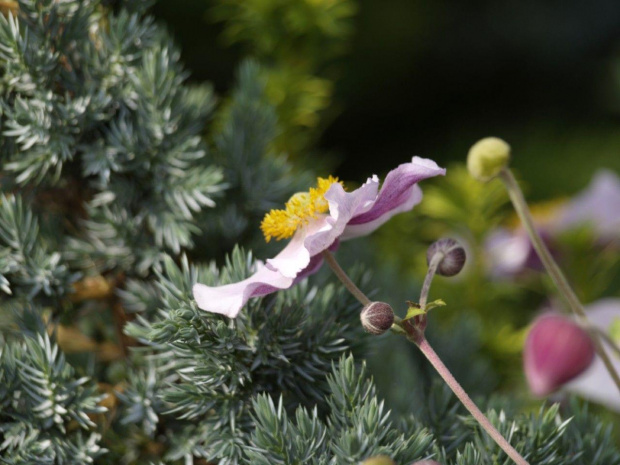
{"points": [[300, 208]]}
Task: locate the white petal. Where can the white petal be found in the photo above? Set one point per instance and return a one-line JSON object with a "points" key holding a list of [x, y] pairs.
{"points": [[596, 383]]}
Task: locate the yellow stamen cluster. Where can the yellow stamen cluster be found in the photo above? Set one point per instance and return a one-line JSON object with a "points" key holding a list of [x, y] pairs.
{"points": [[300, 208]]}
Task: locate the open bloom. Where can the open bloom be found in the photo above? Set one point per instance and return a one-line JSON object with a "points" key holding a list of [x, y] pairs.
{"points": [[317, 220]]}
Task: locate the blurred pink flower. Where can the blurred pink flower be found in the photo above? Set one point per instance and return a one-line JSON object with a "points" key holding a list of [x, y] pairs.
{"points": [[597, 205], [350, 215], [556, 350], [510, 252], [596, 384]]}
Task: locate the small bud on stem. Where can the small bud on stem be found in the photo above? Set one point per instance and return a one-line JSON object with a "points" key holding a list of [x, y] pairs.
{"points": [[453, 256], [377, 317], [487, 157], [445, 257]]}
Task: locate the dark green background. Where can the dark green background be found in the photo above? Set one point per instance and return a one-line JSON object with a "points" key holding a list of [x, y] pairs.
{"points": [[432, 77]]}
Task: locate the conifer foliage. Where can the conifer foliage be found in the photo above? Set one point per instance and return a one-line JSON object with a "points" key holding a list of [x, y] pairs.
{"points": [[122, 186]]}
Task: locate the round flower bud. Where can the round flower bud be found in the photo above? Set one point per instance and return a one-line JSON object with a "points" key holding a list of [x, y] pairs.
{"points": [[453, 256], [487, 157], [377, 317], [556, 350], [378, 460]]}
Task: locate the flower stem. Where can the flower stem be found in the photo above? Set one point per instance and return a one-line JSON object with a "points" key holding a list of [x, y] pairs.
{"points": [[469, 404], [416, 336], [605, 338], [558, 278], [432, 269], [350, 285]]}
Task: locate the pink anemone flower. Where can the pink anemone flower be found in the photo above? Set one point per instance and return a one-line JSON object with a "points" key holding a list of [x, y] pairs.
{"points": [[317, 220]]}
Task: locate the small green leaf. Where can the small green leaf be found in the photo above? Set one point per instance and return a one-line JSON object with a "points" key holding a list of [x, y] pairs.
{"points": [[435, 303], [414, 310]]}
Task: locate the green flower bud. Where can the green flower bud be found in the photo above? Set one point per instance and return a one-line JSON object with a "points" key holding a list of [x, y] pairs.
{"points": [[453, 256], [487, 157], [379, 460], [377, 317]]}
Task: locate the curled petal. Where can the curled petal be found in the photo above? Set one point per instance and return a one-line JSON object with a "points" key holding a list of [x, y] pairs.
{"points": [[229, 299], [297, 254], [342, 207], [363, 229], [323, 232], [399, 193]]}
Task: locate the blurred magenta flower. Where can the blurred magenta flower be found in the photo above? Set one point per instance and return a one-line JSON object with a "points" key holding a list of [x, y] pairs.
{"points": [[596, 384], [317, 220], [510, 252], [556, 350]]}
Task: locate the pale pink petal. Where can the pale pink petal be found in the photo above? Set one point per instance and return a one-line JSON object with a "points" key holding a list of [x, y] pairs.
{"points": [[596, 384], [315, 265], [320, 233], [399, 193], [342, 207], [296, 255], [363, 229], [229, 299]]}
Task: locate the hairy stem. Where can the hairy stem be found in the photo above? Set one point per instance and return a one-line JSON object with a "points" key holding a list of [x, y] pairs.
{"points": [[469, 404], [418, 338], [430, 274], [350, 285], [558, 278]]}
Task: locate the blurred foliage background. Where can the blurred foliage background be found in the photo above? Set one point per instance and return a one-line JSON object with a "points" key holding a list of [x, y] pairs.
{"points": [[394, 78]]}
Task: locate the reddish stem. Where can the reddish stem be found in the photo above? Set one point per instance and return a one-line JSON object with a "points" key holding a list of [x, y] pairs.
{"points": [[469, 404]]}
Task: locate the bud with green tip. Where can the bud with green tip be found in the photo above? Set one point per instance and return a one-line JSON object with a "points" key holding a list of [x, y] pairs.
{"points": [[379, 460], [487, 157], [377, 317], [454, 256]]}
